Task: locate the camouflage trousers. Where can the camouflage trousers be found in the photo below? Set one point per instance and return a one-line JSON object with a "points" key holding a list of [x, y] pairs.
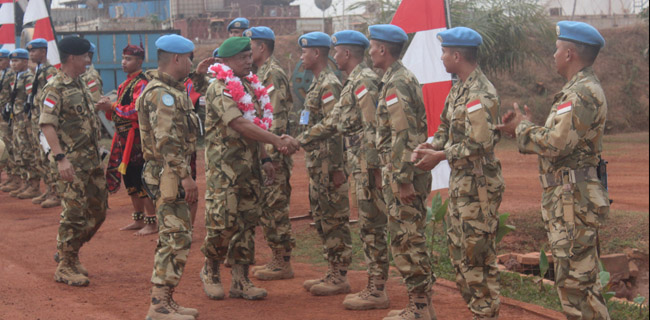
{"points": [[331, 212], [24, 149], [373, 220], [471, 235], [406, 226], [275, 211], [42, 164], [576, 257], [174, 231], [84, 208], [6, 135], [231, 215]]}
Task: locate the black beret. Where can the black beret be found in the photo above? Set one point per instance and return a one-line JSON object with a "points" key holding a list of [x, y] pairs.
{"points": [[74, 45]]}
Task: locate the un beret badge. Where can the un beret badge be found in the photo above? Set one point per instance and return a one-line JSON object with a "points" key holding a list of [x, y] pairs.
{"points": [[237, 24], [440, 38], [304, 41], [248, 33], [557, 30], [334, 39]]}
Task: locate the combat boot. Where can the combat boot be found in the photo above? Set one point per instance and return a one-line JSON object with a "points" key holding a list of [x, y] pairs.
{"points": [[13, 183], [66, 272], [161, 307], [77, 263], [372, 297], [211, 278], [417, 308], [275, 260], [180, 309], [242, 287], [42, 197], [335, 283], [51, 201], [23, 186], [312, 282], [279, 268], [32, 190]]}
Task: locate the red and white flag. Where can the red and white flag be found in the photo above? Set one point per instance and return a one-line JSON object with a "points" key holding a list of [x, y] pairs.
{"points": [[427, 18], [36, 12], [7, 25]]}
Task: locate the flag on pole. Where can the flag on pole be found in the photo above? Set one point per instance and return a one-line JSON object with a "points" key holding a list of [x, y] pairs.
{"points": [[36, 12], [7, 25], [427, 18]]}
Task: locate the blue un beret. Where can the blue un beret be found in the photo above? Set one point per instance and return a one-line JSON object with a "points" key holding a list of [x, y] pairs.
{"points": [[460, 37], [4, 53], [315, 39], [93, 48], [260, 33], [238, 23], [388, 33], [579, 32], [350, 37], [19, 53], [174, 43], [36, 43]]}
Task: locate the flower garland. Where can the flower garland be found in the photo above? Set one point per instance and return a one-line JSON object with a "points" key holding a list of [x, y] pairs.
{"points": [[243, 99]]}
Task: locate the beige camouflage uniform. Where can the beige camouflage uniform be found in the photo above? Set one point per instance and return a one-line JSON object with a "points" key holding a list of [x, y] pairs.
{"points": [[24, 147], [354, 117], [574, 202], [468, 135], [401, 127], [168, 129], [6, 133], [46, 170], [94, 82], [68, 107], [329, 205]]}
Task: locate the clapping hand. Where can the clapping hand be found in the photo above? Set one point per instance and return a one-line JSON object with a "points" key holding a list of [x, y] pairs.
{"points": [[426, 158], [512, 119]]}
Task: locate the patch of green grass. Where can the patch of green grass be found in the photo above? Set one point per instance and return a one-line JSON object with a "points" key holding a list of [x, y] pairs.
{"points": [[624, 311], [527, 290], [309, 248]]}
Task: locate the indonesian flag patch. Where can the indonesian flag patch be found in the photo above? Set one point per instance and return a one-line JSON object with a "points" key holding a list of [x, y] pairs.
{"points": [[50, 102], [270, 88], [391, 100], [361, 92], [327, 97], [227, 93], [474, 105], [92, 85], [28, 88], [564, 108], [48, 77]]}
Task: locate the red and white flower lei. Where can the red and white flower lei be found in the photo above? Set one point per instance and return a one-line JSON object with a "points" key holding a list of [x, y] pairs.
{"points": [[243, 99]]}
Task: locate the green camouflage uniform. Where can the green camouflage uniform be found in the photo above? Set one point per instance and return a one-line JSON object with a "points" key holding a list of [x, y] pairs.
{"points": [[45, 169], [68, 107], [574, 202], [354, 117], [6, 133], [233, 195], [94, 82], [275, 211], [24, 148], [401, 127], [468, 135], [330, 206], [168, 130]]}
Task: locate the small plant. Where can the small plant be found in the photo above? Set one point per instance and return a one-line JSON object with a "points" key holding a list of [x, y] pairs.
{"points": [[604, 282], [504, 228], [543, 268]]}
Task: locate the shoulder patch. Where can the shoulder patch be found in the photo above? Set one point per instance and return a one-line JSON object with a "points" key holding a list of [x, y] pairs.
{"points": [[391, 100], [49, 77], [361, 92], [474, 105], [91, 83], [50, 101], [227, 93], [28, 87], [564, 108], [270, 88], [168, 100], [327, 97]]}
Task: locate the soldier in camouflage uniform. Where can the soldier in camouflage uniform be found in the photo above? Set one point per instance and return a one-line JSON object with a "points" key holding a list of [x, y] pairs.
{"points": [[169, 129], [11, 183], [325, 162], [69, 124], [275, 211], [44, 72], [401, 127], [466, 138], [92, 78], [574, 202]]}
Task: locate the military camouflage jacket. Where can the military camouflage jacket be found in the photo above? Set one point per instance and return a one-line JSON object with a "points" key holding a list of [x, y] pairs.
{"points": [[67, 105], [321, 97], [276, 82], [44, 73], [22, 85], [168, 125], [401, 122], [7, 76], [354, 117], [233, 160], [572, 136], [94, 82]]}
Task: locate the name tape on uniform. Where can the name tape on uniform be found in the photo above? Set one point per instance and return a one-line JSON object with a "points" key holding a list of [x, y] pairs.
{"points": [[327, 97], [361, 92], [474, 105], [391, 100], [564, 108], [270, 88]]}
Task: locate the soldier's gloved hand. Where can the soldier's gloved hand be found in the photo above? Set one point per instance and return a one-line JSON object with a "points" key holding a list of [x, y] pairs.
{"points": [[338, 178], [191, 190], [269, 170], [66, 170], [406, 193]]}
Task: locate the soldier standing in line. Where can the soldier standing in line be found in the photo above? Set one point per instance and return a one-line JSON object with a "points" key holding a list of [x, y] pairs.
{"points": [[325, 162], [24, 148], [466, 138], [5, 123], [169, 129], [237, 26], [92, 79], [401, 127], [44, 72], [574, 202], [238, 115], [275, 211], [69, 124]]}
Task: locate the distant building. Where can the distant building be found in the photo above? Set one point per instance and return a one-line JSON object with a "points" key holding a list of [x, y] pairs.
{"points": [[599, 13]]}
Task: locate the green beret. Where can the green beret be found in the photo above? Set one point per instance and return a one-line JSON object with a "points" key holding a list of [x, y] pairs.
{"points": [[233, 46]]}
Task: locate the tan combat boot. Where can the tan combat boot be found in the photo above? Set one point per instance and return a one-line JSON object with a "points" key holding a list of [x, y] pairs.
{"points": [[242, 287], [66, 272], [77, 263], [312, 282], [32, 190], [279, 268], [13, 183], [372, 297], [161, 307], [180, 309], [23, 186], [42, 197], [417, 308], [51, 201], [211, 278], [335, 283], [275, 260]]}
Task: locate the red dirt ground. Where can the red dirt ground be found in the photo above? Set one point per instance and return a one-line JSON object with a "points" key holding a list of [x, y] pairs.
{"points": [[120, 264]]}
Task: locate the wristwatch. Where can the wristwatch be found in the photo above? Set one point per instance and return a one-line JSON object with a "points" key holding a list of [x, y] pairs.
{"points": [[59, 157]]}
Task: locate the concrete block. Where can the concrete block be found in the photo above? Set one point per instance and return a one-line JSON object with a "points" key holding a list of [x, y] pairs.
{"points": [[617, 265], [634, 269], [532, 258]]}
